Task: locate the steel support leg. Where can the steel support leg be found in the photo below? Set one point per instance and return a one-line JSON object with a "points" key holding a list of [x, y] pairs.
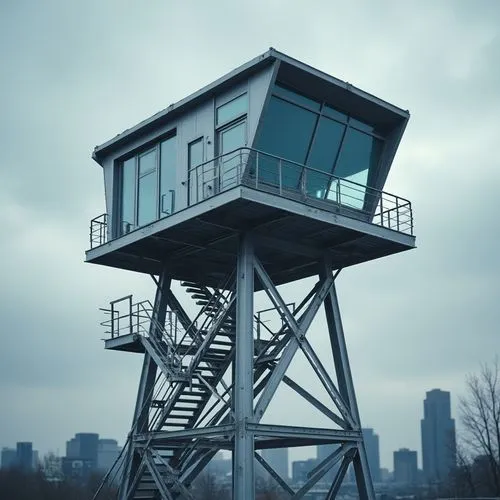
{"points": [[346, 386], [145, 392], [243, 455]]}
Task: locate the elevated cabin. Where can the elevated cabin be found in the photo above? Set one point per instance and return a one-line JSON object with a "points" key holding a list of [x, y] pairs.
{"points": [[275, 147]]}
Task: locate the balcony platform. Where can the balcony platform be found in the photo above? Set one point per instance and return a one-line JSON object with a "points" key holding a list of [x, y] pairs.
{"points": [[200, 242], [125, 343]]}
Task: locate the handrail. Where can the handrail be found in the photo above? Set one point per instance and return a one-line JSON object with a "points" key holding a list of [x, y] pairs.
{"points": [[297, 164], [289, 179]]}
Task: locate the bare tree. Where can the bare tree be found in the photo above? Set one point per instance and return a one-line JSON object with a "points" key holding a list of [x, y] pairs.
{"points": [[480, 417]]}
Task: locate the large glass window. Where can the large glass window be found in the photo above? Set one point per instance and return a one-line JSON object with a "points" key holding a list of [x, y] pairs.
{"points": [[322, 156], [286, 132], [146, 186], [360, 153], [300, 99], [168, 157], [230, 165], [127, 198], [200, 177], [300, 130], [146, 196]]}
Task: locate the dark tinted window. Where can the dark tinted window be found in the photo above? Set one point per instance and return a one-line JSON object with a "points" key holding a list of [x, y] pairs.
{"points": [[127, 196], [323, 155], [168, 160], [296, 97], [286, 132]]}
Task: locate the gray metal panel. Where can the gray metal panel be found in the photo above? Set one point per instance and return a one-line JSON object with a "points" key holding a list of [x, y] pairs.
{"points": [[226, 81], [195, 123]]}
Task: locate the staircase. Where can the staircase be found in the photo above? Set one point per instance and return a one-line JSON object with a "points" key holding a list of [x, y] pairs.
{"points": [[194, 366]]}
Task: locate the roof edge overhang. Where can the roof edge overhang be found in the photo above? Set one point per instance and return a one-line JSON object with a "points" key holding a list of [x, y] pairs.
{"points": [[231, 78]]}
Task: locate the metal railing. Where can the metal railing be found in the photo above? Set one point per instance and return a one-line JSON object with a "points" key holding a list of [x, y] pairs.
{"points": [[99, 230], [288, 179], [292, 180], [127, 317]]}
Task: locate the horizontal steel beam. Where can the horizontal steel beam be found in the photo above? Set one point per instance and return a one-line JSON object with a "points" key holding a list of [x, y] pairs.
{"points": [[294, 442], [334, 435], [186, 434]]}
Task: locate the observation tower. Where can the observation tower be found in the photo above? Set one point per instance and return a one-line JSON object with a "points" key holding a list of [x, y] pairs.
{"points": [[271, 174]]}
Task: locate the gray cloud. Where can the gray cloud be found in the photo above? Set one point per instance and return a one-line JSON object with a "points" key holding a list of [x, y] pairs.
{"points": [[75, 74]]}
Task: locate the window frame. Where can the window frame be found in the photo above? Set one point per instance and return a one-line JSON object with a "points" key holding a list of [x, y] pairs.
{"points": [[225, 123], [350, 122], [152, 145], [201, 140]]}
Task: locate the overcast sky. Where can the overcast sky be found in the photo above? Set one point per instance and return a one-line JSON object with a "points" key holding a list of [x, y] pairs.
{"points": [[75, 73]]}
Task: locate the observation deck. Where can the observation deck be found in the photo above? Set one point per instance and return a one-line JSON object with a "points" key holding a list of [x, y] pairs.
{"points": [[295, 213]]}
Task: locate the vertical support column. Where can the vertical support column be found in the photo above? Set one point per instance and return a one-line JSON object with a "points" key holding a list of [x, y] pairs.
{"points": [[243, 454], [146, 387], [346, 385]]}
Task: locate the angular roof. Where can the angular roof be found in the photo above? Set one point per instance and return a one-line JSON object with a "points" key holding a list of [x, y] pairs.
{"points": [[320, 84]]}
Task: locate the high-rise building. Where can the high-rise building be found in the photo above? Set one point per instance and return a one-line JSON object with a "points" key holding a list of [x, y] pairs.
{"points": [[301, 469], [9, 458], [322, 452], [405, 466], [277, 458], [107, 453], [81, 456], [438, 436], [83, 446], [25, 455], [372, 453], [51, 467]]}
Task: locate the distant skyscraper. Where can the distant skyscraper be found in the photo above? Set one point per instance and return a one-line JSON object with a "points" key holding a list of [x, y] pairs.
{"points": [[107, 453], [25, 455], [83, 446], [9, 458], [405, 466], [81, 456], [277, 458], [322, 452], [373, 453], [438, 436], [301, 469]]}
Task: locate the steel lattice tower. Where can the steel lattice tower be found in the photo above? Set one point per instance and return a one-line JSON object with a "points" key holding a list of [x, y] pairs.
{"points": [[271, 174]]}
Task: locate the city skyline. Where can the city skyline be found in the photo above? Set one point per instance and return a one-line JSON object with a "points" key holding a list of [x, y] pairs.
{"points": [[64, 91], [275, 456]]}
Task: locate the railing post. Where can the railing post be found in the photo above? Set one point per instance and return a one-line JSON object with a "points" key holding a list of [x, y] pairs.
{"points": [[337, 191], [240, 167], [397, 212], [381, 210], [257, 169], [411, 218], [130, 320], [138, 319], [303, 182], [280, 176], [112, 320], [197, 184]]}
